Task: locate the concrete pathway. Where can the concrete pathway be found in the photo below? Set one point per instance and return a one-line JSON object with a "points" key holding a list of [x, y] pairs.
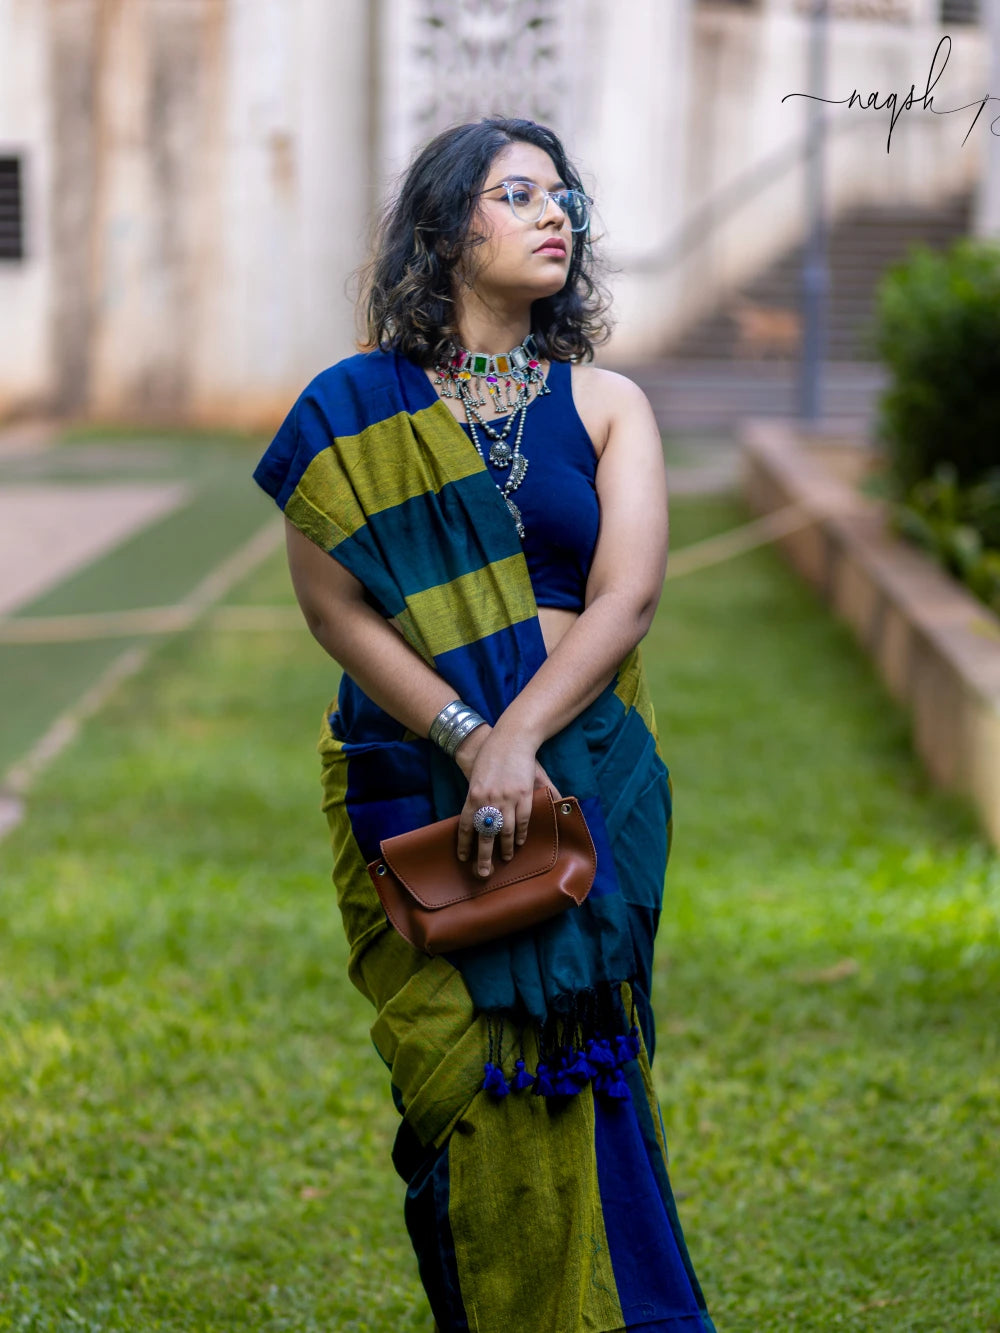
{"points": [[94, 529], [49, 531]]}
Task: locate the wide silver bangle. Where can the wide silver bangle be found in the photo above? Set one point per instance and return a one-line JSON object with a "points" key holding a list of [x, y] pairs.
{"points": [[446, 715], [464, 727], [451, 726]]}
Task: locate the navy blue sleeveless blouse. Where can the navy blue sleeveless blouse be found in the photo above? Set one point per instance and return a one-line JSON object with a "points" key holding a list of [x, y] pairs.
{"points": [[557, 498]]}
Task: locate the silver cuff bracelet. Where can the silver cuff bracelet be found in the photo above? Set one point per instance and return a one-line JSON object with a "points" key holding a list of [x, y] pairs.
{"points": [[446, 715], [451, 726]]}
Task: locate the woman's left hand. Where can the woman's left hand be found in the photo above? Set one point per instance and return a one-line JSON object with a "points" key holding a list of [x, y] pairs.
{"points": [[503, 774]]}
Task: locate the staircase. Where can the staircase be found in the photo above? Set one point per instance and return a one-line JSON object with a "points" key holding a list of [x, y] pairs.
{"points": [[742, 359]]}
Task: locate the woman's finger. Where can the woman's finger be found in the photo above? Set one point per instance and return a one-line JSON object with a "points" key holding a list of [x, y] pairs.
{"points": [[542, 779], [466, 834], [521, 820], [487, 842], [508, 832]]}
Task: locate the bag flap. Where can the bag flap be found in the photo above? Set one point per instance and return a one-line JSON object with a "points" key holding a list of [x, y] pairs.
{"points": [[426, 864]]}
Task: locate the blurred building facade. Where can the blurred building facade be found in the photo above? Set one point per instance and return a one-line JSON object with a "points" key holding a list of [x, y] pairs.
{"points": [[189, 184]]}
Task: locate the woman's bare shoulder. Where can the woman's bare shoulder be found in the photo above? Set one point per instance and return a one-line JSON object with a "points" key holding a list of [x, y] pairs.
{"points": [[603, 397]]}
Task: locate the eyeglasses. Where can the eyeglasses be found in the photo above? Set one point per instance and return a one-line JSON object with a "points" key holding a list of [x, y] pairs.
{"points": [[529, 202]]}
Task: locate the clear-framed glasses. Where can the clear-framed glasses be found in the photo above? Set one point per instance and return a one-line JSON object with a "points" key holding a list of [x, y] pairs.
{"points": [[529, 201]]}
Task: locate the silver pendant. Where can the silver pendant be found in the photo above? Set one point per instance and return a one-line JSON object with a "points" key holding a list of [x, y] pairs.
{"points": [[517, 471], [516, 515], [501, 454]]}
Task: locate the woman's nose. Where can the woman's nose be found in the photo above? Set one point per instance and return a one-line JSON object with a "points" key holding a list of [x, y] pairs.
{"points": [[551, 203]]}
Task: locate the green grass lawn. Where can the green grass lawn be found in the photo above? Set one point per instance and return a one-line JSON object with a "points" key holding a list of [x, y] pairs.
{"points": [[158, 565], [195, 1130]]}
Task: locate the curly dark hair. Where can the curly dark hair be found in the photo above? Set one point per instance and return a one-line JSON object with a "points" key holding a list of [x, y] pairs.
{"points": [[425, 230]]}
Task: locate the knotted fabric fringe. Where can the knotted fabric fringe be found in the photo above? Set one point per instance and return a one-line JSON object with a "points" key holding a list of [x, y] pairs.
{"points": [[591, 1043]]}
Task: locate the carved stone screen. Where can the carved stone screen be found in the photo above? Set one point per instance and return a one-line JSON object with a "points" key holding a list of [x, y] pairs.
{"points": [[445, 61]]}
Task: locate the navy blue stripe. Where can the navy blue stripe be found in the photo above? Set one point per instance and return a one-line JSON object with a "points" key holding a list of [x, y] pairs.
{"points": [[388, 791], [355, 393], [644, 1116], [496, 667], [374, 820], [650, 1275], [605, 881], [425, 1209], [359, 716]]}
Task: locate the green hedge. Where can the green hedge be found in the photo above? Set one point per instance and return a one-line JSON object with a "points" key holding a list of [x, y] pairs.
{"points": [[960, 526], [937, 329]]}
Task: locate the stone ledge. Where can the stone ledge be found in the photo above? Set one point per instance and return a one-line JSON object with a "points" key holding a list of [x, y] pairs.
{"points": [[936, 647]]}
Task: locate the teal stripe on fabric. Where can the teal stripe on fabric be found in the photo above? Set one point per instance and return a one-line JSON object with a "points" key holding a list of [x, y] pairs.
{"points": [[419, 525], [442, 548]]}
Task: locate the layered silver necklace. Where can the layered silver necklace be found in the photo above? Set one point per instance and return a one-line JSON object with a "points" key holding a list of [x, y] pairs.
{"points": [[508, 378]]}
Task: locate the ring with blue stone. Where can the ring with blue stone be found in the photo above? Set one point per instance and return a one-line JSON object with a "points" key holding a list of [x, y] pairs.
{"points": [[487, 821]]}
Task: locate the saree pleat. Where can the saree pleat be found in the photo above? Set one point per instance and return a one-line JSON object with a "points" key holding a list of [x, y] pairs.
{"points": [[546, 1213]]}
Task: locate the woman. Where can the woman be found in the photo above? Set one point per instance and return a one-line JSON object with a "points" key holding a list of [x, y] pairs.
{"points": [[497, 514]]}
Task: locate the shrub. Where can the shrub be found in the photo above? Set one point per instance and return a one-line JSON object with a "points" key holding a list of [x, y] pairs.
{"points": [[960, 526], [937, 329]]}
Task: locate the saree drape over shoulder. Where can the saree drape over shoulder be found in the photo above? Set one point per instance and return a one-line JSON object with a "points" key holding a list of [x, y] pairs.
{"points": [[539, 1201]]}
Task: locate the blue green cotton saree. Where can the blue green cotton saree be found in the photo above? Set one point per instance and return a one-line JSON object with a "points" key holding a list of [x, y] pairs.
{"points": [[530, 1138]]}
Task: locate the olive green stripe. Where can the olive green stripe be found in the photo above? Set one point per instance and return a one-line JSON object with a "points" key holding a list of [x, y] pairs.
{"points": [[360, 909], [469, 608], [367, 473], [633, 691], [556, 1276], [305, 510]]}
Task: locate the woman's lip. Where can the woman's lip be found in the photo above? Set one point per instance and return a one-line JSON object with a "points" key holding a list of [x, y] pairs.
{"points": [[552, 248]]}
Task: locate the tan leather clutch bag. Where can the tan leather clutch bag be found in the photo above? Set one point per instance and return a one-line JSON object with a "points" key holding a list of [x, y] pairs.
{"points": [[440, 904]]}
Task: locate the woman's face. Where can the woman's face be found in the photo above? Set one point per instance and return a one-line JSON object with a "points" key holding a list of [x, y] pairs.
{"points": [[520, 260]]}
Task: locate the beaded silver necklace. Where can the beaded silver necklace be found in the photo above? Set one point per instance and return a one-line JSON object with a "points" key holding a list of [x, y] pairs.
{"points": [[508, 378]]}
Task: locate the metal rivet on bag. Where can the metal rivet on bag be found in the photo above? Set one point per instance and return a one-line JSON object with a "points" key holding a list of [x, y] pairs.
{"points": [[566, 807], [380, 870]]}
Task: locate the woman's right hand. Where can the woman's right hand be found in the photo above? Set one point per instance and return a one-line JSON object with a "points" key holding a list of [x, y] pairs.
{"points": [[493, 778]]}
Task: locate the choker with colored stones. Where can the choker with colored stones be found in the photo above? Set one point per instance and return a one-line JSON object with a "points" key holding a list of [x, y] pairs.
{"points": [[508, 378]]}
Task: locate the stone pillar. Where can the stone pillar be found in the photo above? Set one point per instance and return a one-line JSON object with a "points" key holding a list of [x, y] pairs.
{"points": [[645, 139], [210, 193]]}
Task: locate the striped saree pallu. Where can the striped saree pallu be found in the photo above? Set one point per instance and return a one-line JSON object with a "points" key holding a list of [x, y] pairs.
{"points": [[543, 1204]]}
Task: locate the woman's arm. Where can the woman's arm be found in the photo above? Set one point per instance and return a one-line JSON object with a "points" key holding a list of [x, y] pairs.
{"points": [[626, 576], [626, 579], [362, 641], [390, 672]]}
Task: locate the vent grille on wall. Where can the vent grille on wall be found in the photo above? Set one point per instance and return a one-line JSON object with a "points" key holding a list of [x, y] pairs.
{"points": [[11, 209]]}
